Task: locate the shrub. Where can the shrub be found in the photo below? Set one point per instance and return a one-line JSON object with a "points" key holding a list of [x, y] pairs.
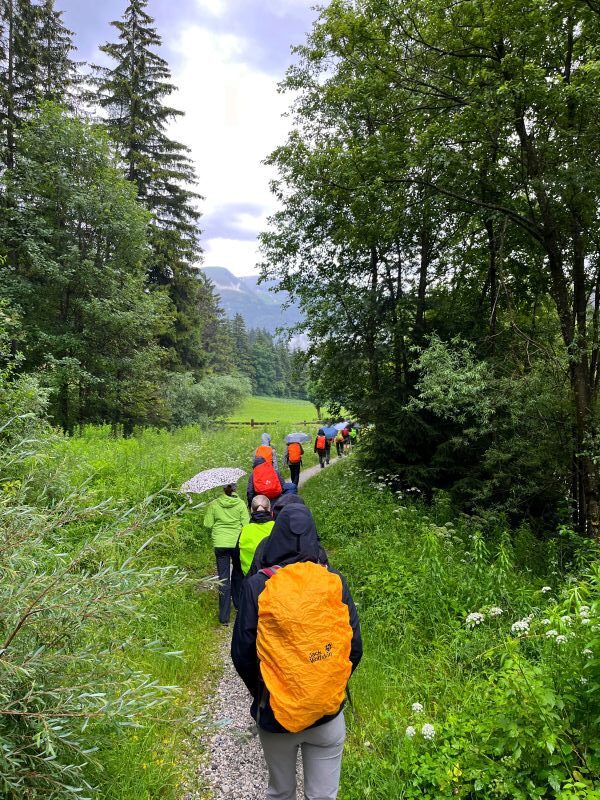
{"points": [[215, 396]]}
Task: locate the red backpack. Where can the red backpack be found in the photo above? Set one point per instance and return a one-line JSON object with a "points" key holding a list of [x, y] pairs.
{"points": [[321, 442], [266, 481]]}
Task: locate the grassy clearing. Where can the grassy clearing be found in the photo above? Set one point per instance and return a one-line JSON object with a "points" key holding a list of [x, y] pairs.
{"points": [[270, 409], [513, 716]]}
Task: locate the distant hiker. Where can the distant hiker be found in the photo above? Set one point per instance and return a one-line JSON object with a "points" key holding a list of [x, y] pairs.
{"points": [[339, 443], [264, 450], [260, 526], [293, 459], [321, 447], [264, 480], [328, 443], [346, 435], [353, 435], [225, 517], [296, 642]]}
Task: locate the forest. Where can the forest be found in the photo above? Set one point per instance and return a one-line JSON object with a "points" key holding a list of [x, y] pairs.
{"points": [[438, 223]]}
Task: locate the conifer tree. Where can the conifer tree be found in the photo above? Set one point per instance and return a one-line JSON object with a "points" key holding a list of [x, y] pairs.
{"points": [[35, 64], [133, 92]]}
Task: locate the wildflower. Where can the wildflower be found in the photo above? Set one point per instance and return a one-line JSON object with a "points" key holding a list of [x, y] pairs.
{"points": [[495, 611], [585, 621], [417, 708], [546, 621], [583, 680], [584, 611], [367, 744], [587, 652], [473, 619], [428, 731], [550, 634], [545, 589], [566, 619], [410, 731], [561, 639], [520, 626]]}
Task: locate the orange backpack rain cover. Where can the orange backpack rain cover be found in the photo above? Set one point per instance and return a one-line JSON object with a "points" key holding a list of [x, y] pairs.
{"points": [[264, 451], [303, 644]]}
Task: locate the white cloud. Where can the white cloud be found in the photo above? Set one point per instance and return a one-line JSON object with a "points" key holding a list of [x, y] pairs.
{"points": [[233, 121], [215, 7]]}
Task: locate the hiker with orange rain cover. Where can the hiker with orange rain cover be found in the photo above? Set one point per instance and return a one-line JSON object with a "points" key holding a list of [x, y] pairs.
{"points": [[264, 450], [296, 641], [264, 479], [293, 459], [321, 447]]}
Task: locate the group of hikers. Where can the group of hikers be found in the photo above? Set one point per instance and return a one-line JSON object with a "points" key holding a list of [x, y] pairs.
{"points": [[296, 638]]}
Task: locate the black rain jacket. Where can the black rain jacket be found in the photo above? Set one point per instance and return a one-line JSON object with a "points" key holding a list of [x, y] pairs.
{"points": [[293, 539]]}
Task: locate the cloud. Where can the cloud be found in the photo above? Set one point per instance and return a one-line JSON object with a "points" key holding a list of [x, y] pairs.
{"points": [[215, 7], [233, 121]]}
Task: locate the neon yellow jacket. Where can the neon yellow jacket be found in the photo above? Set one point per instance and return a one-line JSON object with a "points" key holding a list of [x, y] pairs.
{"points": [[251, 536]]}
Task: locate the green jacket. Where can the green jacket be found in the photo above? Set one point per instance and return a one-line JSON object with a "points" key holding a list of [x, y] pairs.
{"points": [[226, 516], [251, 536]]}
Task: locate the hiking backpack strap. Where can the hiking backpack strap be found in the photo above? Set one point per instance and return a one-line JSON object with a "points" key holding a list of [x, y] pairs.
{"points": [[270, 571]]}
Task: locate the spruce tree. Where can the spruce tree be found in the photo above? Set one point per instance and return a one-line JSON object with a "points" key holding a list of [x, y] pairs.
{"points": [[133, 93], [35, 65]]}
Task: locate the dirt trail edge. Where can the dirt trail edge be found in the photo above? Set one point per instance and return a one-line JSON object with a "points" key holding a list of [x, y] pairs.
{"points": [[235, 768]]}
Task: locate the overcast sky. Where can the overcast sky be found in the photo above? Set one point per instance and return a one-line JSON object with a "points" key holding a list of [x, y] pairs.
{"points": [[226, 57]]}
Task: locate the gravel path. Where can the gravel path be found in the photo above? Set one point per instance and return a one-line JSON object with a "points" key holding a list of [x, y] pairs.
{"points": [[235, 768]]}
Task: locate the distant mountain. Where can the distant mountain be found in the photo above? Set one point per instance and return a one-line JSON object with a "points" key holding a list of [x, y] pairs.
{"points": [[259, 307]]}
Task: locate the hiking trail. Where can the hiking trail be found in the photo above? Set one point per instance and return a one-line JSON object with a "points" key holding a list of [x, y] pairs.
{"points": [[235, 768]]}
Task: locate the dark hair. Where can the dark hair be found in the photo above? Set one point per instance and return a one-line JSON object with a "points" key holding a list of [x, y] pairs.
{"points": [[229, 489]]}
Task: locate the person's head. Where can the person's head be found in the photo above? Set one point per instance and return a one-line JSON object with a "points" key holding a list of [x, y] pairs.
{"points": [[260, 503], [285, 500], [293, 538], [321, 432], [230, 489], [265, 439]]}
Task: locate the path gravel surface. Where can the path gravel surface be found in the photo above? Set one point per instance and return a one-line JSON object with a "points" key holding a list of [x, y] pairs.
{"points": [[235, 768]]}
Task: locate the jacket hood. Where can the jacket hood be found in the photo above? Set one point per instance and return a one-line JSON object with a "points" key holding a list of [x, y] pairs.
{"points": [[261, 516], [293, 538], [258, 461], [321, 432], [226, 501], [265, 439], [285, 500]]}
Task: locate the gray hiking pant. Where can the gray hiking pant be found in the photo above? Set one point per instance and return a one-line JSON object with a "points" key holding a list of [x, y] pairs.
{"points": [[321, 748]]}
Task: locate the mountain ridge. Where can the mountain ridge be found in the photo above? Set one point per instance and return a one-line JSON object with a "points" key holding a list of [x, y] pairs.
{"points": [[259, 306]]}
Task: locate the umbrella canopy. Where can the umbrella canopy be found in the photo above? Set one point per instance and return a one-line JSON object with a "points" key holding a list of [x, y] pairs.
{"points": [[301, 438], [330, 431], [341, 425], [211, 478]]}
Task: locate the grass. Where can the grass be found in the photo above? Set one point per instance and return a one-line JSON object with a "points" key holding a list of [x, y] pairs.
{"points": [[159, 760]]}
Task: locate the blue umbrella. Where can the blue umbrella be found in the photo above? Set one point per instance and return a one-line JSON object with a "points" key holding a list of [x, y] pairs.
{"points": [[301, 438], [330, 431], [341, 425]]}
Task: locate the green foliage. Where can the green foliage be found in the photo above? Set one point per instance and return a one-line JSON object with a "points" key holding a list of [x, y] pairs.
{"points": [[214, 396], [513, 708]]}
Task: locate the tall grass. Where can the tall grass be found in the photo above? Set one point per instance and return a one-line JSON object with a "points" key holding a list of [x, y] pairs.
{"points": [[513, 710]]}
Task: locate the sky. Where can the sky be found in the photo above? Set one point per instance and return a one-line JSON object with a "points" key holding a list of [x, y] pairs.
{"points": [[226, 57]]}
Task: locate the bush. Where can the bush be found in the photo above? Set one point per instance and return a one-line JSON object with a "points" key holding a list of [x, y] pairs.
{"points": [[215, 396]]}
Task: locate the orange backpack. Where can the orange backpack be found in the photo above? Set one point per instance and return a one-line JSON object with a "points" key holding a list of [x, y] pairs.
{"points": [[266, 452], [294, 453], [303, 643], [321, 443]]}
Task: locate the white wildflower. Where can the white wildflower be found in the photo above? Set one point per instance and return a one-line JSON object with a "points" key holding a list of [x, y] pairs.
{"points": [[495, 611], [473, 619], [583, 680], [520, 626], [410, 731], [428, 731], [551, 633], [566, 619], [417, 708], [561, 639], [546, 621], [584, 611], [587, 653], [545, 589], [585, 620]]}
